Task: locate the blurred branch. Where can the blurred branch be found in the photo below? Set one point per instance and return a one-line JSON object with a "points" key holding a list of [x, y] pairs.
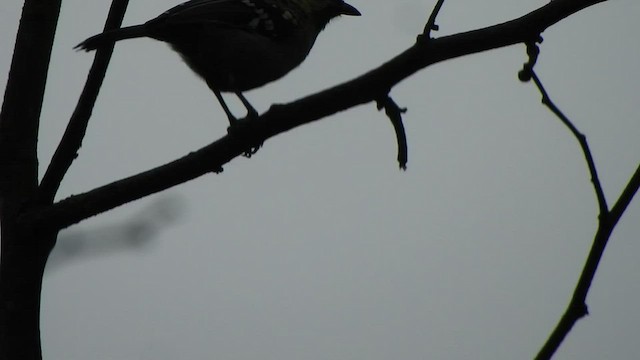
{"points": [[281, 118], [607, 220], [136, 232], [71, 141]]}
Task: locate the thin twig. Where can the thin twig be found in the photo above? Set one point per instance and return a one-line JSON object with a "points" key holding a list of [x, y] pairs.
{"points": [[607, 221], [625, 197], [431, 23], [74, 134], [577, 307], [582, 139]]}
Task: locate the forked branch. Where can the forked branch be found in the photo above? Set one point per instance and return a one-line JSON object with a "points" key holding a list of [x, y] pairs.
{"points": [[607, 220], [71, 141]]}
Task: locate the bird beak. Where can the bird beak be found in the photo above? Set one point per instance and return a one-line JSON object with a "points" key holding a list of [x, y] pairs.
{"points": [[346, 9]]}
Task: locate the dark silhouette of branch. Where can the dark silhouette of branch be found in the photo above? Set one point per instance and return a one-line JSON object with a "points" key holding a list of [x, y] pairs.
{"points": [[431, 23], [24, 250], [71, 141], [582, 139], [281, 118], [20, 114], [607, 220], [394, 113], [625, 197], [533, 51]]}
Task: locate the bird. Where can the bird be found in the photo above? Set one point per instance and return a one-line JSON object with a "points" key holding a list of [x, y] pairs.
{"points": [[235, 45]]}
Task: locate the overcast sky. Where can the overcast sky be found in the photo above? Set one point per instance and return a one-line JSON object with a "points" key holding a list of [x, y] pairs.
{"points": [[318, 247]]}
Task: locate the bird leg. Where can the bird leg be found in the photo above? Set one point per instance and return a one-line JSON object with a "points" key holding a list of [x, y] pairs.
{"points": [[240, 126], [237, 127], [232, 119], [251, 112]]}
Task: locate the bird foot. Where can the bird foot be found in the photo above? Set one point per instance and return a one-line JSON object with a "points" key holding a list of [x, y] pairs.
{"points": [[245, 130]]}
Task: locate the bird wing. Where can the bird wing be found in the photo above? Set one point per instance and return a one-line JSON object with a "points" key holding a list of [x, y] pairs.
{"points": [[230, 12], [262, 17]]}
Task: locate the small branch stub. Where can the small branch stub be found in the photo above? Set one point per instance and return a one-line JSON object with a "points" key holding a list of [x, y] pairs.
{"points": [[431, 23], [394, 112]]}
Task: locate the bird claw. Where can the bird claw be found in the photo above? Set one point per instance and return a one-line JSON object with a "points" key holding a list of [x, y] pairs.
{"points": [[252, 114], [252, 151], [245, 130]]}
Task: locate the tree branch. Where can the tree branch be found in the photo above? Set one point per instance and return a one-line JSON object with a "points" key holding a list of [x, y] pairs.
{"points": [[24, 250], [20, 114], [394, 113], [431, 23], [71, 141], [625, 198], [582, 140], [607, 220], [281, 118]]}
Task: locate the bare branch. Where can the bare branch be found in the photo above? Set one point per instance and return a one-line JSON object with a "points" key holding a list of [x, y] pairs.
{"points": [[625, 198], [577, 307], [431, 23], [281, 118], [20, 114], [582, 139], [394, 113], [23, 252], [74, 134]]}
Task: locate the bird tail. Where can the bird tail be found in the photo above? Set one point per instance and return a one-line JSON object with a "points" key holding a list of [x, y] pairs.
{"points": [[111, 36]]}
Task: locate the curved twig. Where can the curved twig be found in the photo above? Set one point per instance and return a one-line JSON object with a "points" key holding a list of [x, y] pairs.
{"points": [[607, 221], [582, 139]]}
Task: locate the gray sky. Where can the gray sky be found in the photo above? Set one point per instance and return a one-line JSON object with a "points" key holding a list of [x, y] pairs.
{"points": [[318, 247]]}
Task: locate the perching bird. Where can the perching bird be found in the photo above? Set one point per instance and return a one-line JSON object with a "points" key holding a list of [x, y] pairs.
{"points": [[236, 45]]}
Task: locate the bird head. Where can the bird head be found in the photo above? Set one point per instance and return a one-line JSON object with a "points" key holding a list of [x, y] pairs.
{"points": [[325, 10]]}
